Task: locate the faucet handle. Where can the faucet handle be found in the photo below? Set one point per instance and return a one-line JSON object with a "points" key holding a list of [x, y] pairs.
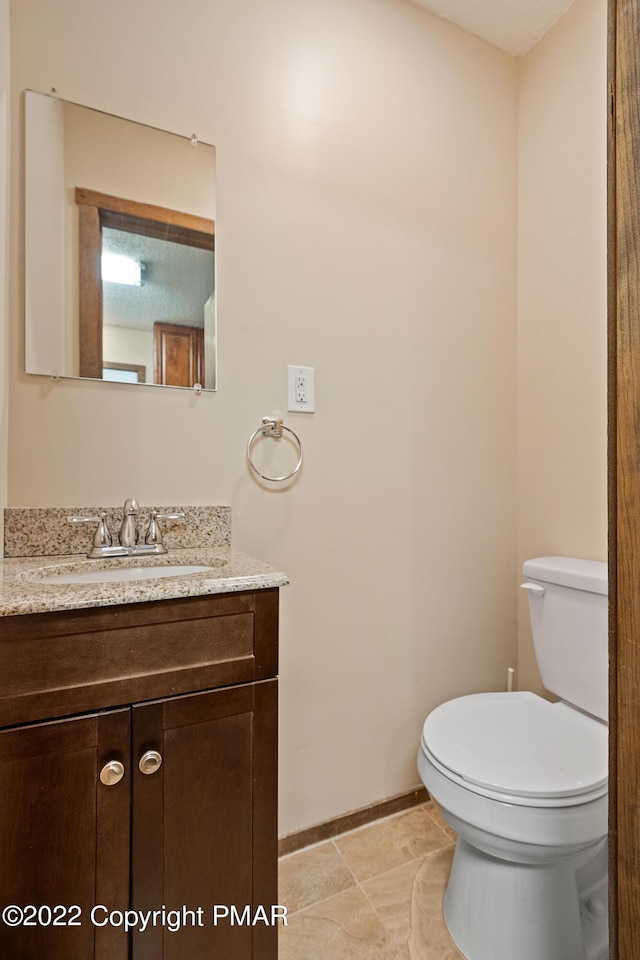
{"points": [[102, 536], [154, 533]]}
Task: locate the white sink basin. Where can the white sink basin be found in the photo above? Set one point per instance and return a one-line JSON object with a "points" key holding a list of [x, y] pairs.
{"points": [[124, 574]]}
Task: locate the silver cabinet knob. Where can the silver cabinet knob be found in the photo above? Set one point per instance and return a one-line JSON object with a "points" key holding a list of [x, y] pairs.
{"points": [[112, 773], [150, 762]]}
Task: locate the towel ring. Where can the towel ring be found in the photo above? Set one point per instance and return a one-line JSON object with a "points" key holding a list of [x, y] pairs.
{"points": [[273, 427]]}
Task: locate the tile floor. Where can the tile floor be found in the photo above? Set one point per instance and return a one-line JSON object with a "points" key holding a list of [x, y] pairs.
{"points": [[372, 894]]}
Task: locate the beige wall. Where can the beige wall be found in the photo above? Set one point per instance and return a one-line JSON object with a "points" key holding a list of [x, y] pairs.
{"points": [[4, 253], [129, 345], [366, 226], [562, 299]]}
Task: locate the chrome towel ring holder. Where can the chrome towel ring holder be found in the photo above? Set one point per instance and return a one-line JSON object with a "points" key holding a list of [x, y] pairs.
{"points": [[274, 427]]}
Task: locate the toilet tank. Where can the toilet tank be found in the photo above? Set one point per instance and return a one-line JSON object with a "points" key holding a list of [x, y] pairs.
{"points": [[570, 629]]}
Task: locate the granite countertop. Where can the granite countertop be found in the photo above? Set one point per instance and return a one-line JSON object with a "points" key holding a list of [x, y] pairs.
{"points": [[23, 591]]}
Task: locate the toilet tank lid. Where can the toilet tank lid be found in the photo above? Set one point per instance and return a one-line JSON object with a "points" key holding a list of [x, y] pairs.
{"points": [[589, 575]]}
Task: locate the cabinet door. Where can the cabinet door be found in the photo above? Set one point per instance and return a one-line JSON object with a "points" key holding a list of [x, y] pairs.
{"points": [[64, 836], [204, 822]]}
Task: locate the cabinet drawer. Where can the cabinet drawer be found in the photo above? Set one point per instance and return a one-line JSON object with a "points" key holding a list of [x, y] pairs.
{"points": [[73, 661]]}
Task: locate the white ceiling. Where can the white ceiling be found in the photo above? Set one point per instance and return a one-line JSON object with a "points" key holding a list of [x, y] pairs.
{"points": [[512, 25], [178, 279]]}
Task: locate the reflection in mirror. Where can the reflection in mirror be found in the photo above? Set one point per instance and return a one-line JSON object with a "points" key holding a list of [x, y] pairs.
{"points": [[102, 196]]}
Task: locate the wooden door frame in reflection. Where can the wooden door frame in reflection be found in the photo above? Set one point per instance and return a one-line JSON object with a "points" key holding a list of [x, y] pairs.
{"points": [[98, 210]]}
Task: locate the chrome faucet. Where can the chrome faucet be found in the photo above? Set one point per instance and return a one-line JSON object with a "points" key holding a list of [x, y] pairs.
{"points": [[153, 537], [128, 535], [127, 541]]}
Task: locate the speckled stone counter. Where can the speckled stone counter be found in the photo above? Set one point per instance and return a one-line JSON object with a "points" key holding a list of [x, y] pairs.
{"points": [[46, 531], [23, 591]]}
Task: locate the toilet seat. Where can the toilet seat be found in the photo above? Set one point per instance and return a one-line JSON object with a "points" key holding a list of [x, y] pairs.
{"points": [[519, 748]]}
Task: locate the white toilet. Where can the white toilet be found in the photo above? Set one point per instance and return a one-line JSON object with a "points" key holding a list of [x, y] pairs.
{"points": [[524, 783]]}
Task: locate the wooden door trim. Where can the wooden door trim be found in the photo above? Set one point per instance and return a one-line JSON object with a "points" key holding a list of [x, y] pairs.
{"points": [[90, 293], [624, 475], [612, 472], [171, 225]]}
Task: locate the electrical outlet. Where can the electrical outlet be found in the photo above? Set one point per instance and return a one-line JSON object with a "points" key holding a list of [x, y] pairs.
{"points": [[301, 389]]}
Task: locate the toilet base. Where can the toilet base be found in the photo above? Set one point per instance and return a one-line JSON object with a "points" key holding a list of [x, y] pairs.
{"points": [[496, 910]]}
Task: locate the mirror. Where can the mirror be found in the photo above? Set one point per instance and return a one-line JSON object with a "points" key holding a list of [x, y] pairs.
{"points": [[119, 249]]}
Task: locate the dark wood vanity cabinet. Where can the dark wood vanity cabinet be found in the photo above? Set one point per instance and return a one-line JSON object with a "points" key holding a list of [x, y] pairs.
{"points": [[174, 704]]}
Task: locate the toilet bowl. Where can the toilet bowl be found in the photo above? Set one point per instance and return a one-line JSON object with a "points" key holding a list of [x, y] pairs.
{"points": [[523, 782]]}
